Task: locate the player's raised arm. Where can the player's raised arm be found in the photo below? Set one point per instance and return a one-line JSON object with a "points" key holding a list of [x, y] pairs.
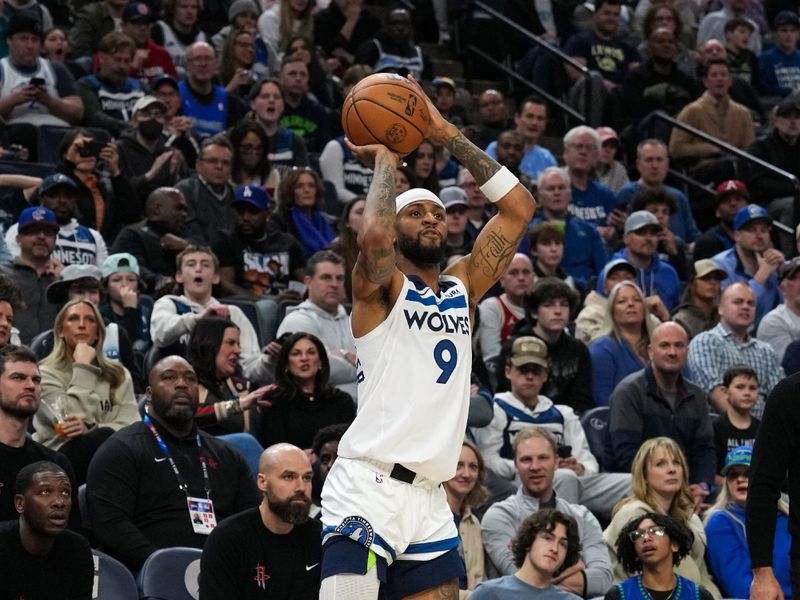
{"points": [[499, 238]]}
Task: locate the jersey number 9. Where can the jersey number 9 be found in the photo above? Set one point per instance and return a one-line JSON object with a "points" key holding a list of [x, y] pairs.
{"points": [[446, 358]]}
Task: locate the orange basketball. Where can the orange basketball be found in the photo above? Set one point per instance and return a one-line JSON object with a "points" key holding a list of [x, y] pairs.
{"points": [[385, 109]]}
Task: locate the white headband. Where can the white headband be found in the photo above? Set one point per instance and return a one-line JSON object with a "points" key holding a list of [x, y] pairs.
{"points": [[415, 195]]}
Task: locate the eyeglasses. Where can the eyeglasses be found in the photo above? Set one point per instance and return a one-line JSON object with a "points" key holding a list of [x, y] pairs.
{"points": [[655, 530]]}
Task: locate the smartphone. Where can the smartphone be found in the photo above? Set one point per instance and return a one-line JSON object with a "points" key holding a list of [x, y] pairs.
{"points": [[91, 148], [564, 451], [37, 82]]}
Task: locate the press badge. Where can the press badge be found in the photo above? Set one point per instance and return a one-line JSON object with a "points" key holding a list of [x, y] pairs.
{"points": [[201, 512]]}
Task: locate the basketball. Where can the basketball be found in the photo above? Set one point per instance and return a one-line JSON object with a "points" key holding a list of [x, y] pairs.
{"points": [[385, 109]]}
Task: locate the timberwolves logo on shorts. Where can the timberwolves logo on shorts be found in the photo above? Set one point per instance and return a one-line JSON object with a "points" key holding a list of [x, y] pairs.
{"points": [[357, 529]]}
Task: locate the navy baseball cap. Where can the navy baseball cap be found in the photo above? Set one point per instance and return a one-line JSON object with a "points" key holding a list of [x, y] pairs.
{"points": [[56, 180], [137, 12], [37, 215], [749, 213], [253, 194], [161, 80]]}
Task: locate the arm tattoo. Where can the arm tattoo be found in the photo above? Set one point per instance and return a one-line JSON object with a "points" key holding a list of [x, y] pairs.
{"points": [[378, 263], [380, 198], [481, 165], [495, 253]]}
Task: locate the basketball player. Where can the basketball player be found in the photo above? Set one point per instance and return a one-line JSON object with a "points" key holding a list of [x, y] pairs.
{"points": [[385, 515]]}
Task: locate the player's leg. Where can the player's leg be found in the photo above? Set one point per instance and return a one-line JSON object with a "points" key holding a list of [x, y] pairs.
{"points": [[350, 571], [444, 591]]}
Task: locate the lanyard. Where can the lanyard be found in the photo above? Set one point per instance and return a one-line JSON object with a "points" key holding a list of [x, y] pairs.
{"points": [[182, 485]]}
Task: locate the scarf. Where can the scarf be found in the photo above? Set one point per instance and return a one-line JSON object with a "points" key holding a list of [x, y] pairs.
{"points": [[315, 233]]}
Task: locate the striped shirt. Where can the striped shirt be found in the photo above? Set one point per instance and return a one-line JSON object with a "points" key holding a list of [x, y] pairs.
{"points": [[712, 352]]}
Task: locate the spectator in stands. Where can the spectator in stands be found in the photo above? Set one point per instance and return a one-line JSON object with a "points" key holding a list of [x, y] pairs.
{"points": [[286, 149], [713, 24], [284, 19], [569, 366], [546, 546], [210, 107], [92, 23], [105, 201], [34, 269], [150, 60], [251, 164], [145, 159], [156, 241], [31, 7], [55, 48], [713, 352], [404, 179], [458, 241], [536, 459], [177, 127], [671, 248], [509, 150], [393, 46], [779, 66], [76, 244], [591, 201], [716, 114], [446, 103], [697, 311], [345, 244], [492, 118], [342, 27], [661, 485], [646, 405], [657, 279], [259, 259], [620, 345], [753, 259], [179, 30], [576, 479], [531, 122], [609, 171], [123, 304], [135, 502], [666, 16], [299, 209], [736, 427], [327, 89], [224, 398], [302, 400], [665, 542], [278, 533], [174, 317], [242, 14], [742, 63], [728, 554], [10, 302], [546, 241], [87, 396], [302, 114], [20, 396], [592, 315], [324, 316], [37, 550], [339, 166], [499, 314], [209, 192], [465, 493], [325, 447], [781, 326], [599, 47], [422, 162], [238, 68], [652, 163], [731, 197], [741, 91], [23, 99]]}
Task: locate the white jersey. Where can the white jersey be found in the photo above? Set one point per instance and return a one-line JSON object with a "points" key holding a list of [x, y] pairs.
{"points": [[34, 113], [413, 381]]}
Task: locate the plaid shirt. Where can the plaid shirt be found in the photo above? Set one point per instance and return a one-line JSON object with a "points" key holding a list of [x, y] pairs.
{"points": [[712, 352]]}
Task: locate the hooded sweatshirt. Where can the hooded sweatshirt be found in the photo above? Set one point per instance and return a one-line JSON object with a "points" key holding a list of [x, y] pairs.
{"points": [[660, 279]]}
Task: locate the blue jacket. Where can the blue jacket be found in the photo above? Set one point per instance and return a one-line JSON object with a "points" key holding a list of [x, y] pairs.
{"points": [[780, 72], [682, 222], [584, 250], [729, 558], [594, 204], [768, 296], [661, 278], [612, 361]]}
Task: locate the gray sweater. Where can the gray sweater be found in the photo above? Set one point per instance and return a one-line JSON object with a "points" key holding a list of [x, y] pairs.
{"points": [[502, 520]]}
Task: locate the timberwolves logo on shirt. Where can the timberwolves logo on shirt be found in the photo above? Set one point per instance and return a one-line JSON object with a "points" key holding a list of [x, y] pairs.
{"points": [[357, 529]]}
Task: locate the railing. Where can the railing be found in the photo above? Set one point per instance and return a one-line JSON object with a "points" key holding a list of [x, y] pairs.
{"points": [[741, 155], [552, 50]]}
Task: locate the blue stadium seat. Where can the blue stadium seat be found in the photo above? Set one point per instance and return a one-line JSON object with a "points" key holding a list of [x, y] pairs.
{"points": [[170, 574], [113, 581], [269, 318], [595, 425], [247, 445], [250, 311]]}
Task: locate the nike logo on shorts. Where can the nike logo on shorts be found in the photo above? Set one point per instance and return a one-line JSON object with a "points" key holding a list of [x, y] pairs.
{"points": [[162, 459]]}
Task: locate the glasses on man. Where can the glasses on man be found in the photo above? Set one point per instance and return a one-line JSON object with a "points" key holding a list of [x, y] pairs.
{"points": [[655, 530]]}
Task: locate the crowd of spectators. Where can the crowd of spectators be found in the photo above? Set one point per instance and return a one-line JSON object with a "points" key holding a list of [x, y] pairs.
{"points": [[179, 267]]}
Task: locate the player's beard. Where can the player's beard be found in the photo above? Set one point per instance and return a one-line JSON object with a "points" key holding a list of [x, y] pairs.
{"points": [[289, 510], [418, 253]]}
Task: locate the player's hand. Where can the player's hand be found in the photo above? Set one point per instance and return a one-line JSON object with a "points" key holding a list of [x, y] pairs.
{"points": [[439, 129], [372, 154]]}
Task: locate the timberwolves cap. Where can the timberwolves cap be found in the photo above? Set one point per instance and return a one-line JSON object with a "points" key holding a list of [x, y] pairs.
{"points": [[738, 456], [415, 195]]}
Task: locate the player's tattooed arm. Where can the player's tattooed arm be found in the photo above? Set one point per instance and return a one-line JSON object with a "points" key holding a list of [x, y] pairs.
{"points": [[481, 165]]}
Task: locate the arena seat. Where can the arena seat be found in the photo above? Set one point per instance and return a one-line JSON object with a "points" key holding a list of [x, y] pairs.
{"points": [[112, 580], [248, 446], [595, 425], [171, 574]]}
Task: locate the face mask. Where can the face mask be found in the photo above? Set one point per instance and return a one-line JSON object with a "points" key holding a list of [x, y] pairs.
{"points": [[151, 129]]}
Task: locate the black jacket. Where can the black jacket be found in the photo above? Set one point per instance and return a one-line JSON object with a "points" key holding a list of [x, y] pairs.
{"points": [[135, 160], [773, 149]]}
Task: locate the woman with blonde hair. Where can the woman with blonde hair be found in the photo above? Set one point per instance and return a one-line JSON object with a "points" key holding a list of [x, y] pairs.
{"points": [[660, 483], [85, 396], [620, 347], [465, 492], [283, 20]]}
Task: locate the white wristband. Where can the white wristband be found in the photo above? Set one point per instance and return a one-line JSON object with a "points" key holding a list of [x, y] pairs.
{"points": [[499, 185]]}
